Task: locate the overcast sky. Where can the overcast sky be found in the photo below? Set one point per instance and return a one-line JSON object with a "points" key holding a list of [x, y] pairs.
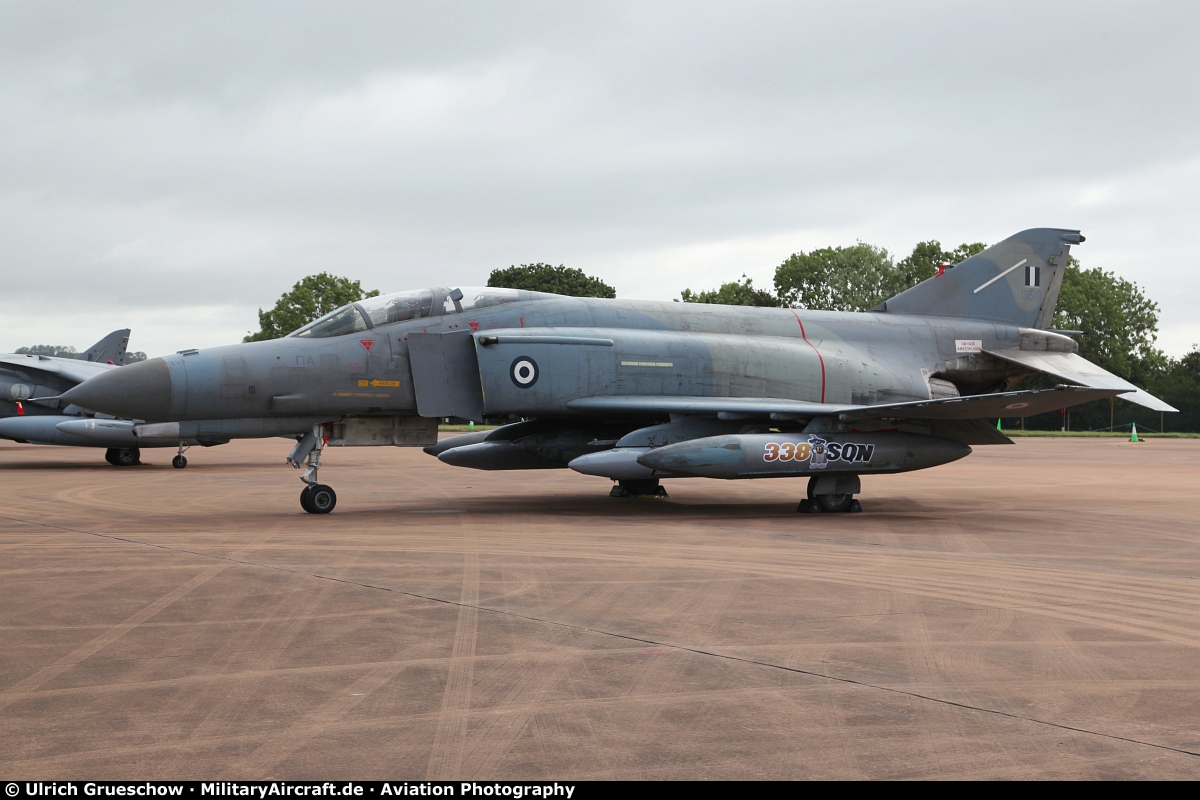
{"points": [[173, 166]]}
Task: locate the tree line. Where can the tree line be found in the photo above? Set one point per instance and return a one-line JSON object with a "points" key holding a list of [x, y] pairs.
{"points": [[67, 351], [1120, 323]]}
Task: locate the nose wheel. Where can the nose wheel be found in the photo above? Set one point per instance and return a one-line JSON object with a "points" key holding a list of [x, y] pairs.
{"points": [[316, 498]]}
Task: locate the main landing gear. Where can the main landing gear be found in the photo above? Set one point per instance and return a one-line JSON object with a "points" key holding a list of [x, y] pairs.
{"points": [[179, 462], [641, 488], [831, 494], [316, 498], [123, 456]]}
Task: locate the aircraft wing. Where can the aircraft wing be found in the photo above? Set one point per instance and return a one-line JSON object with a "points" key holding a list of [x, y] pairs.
{"points": [[1074, 368], [984, 406], [750, 406], [68, 369]]}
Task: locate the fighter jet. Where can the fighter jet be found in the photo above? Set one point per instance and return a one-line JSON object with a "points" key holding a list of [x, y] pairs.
{"points": [[641, 391], [32, 410]]}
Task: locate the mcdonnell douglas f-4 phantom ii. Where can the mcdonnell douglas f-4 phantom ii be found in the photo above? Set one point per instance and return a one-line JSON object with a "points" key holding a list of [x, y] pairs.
{"points": [[637, 391], [33, 411]]}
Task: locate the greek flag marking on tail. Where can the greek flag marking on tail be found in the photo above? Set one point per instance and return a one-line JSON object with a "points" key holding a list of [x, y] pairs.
{"points": [[1033, 276]]}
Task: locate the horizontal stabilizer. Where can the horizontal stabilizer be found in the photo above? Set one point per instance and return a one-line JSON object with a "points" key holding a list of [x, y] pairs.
{"points": [[984, 406], [1074, 368]]}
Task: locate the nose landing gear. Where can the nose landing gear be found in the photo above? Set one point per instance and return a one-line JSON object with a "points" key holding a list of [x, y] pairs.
{"points": [[316, 498], [179, 462]]}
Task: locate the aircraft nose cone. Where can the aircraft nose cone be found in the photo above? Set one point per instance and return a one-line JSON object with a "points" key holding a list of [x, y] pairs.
{"points": [[138, 391]]}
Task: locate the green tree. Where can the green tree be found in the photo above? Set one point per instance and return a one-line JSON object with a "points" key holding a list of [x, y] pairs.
{"points": [[853, 278], [859, 277], [1119, 321], [66, 351], [55, 350], [1179, 384], [926, 257], [546, 278], [311, 298], [735, 293]]}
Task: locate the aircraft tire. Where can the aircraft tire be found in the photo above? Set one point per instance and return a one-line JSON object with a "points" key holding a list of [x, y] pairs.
{"points": [[318, 499], [178, 462], [110, 455], [124, 456], [835, 503], [640, 488]]}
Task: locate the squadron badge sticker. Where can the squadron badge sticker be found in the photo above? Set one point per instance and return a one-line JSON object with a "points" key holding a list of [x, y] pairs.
{"points": [[818, 452]]}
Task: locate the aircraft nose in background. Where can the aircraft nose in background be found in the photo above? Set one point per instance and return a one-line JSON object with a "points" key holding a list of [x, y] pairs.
{"points": [[138, 391]]}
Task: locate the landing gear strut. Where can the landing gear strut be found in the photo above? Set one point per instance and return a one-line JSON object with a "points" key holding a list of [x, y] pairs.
{"points": [[831, 494], [641, 488], [179, 462], [316, 498], [123, 456]]}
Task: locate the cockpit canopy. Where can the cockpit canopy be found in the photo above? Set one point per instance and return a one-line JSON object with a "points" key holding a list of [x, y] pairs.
{"points": [[400, 306]]}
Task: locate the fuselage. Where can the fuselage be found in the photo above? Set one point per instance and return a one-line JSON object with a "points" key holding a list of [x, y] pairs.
{"points": [[648, 348]]}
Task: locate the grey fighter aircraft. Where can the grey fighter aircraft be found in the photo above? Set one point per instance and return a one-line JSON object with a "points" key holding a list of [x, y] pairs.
{"points": [[32, 410], [639, 391]]}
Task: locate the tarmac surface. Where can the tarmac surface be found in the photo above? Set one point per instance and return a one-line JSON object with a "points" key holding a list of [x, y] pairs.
{"points": [[1032, 611]]}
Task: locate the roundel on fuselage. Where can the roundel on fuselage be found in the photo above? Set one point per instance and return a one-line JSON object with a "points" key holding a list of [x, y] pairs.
{"points": [[524, 372]]}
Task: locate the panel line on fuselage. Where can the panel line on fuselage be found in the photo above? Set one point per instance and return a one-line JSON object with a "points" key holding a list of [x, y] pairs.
{"points": [[804, 336]]}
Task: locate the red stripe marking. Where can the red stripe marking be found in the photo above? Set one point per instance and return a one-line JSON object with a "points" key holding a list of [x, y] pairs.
{"points": [[804, 336]]}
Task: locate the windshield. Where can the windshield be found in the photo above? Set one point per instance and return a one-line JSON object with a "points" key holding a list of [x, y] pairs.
{"points": [[400, 306], [346, 319]]}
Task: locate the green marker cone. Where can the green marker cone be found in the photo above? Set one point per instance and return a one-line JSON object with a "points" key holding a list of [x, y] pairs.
{"points": [[1133, 428], [471, 425], [997, 424]]}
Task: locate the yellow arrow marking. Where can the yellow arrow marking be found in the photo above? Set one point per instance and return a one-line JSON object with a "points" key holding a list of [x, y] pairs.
{"points": [[385, 383]]}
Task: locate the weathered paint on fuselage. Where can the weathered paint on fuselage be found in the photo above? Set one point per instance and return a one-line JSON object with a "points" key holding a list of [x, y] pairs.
{"points": [[658, 348]]}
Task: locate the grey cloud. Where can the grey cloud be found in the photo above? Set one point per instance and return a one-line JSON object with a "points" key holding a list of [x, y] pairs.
{"points": [[207, 153]]}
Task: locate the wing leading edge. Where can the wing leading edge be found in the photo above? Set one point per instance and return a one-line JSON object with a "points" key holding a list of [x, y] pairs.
{"points": [[983, 406]]}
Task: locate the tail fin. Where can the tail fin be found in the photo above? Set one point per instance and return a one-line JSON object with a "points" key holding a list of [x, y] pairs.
{"points": [[1015, 281], [111, 349]]}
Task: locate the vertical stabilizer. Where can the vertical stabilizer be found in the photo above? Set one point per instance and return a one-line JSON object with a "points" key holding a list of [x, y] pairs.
{"points": [[109, 350], [1014, 281]]}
